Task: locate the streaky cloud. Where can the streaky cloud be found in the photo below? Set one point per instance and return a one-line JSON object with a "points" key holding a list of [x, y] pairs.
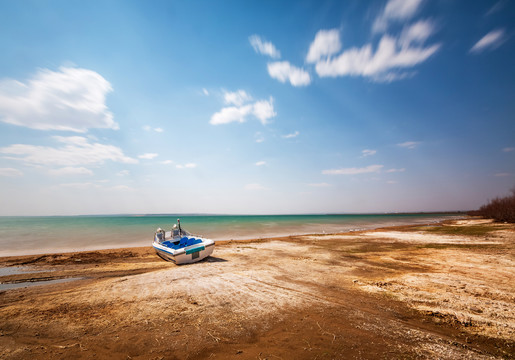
{"points": [[284, 71], [70, 99], [264, 47], [490, 41], [354, 171]]}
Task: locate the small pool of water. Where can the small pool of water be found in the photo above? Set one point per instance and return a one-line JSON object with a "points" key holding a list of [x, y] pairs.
{"points": [[35, 283], [15, 270]]}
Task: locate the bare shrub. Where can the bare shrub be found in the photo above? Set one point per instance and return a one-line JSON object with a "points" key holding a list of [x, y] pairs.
{"points": [[499, 209]]}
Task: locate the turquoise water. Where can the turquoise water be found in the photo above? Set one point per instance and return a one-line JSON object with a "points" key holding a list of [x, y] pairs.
{"points": [[36, 235]]}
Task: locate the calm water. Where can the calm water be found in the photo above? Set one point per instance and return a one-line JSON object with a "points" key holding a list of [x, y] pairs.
{"points": [[35, 235]]}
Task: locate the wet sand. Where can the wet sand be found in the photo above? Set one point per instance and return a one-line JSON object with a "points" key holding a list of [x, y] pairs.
{"points": [[445, 291]]}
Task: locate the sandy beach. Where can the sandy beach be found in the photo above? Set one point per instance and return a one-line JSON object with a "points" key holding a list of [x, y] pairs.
{"points": [[435, 291]]}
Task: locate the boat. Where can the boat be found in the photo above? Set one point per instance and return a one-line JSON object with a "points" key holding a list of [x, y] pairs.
{"points": [[180, 246]]}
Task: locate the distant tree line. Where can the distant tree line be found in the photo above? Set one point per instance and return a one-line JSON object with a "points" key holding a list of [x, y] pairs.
{"points": [[499, 209]]}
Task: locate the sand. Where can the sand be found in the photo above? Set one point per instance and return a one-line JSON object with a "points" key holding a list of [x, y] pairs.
{"points": [[441, 291]]}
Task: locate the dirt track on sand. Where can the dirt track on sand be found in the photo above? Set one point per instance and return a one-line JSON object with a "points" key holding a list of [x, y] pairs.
{"points": [[406, 292]]}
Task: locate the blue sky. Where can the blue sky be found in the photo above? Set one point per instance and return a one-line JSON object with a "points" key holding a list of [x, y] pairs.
{"points": [[255, 107]]}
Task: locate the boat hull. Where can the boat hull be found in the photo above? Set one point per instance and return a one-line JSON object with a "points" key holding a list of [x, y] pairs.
{"points": [[187, 255]]}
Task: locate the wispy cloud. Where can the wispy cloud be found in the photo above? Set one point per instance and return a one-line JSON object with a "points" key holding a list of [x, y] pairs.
{"points": [[70, 170], [502, 174], [260, 163], [149, 128], [490, 41], [395, 11], [70, 99], [186, 166], [409, 144], [508, 149], [167, 162], [353, 171], [123, 173], [148, 156], [237, 98], [263, 110], [10, 172], [264, 47], [76, 151], [205, 92], [392, 54], [291, 135], [416, 33], [496, 7], [284, 71], [396, 170], [326, 43], [259, 138], [254, 187], [368, 152]]}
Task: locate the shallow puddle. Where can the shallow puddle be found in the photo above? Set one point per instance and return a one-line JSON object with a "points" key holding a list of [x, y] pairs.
{"points": [[35, 283], [15, 270]]}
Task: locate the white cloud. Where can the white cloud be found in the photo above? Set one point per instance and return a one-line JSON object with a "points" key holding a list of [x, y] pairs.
{"points": [[323, 184], [354, 171], [417, 33], [508, 149], [70, 170], [205, 92], [237, 98], [264, 47], [368, 152], [326, 43], [71, 99], [10, 172], [76, 151], [292, 135], [186, 166], [148, 156], [263, 110], [231, 114], [395, 11], [409, 144], [254, 186], [490, 41], [167, 162], [123, 173], [149, 128], [259, 137], [390, 55], [260, 163], [391, 182], [284, 71], [395, 170]]}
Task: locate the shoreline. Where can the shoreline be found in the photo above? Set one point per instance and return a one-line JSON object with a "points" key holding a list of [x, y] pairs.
{"points": [[24, 236], [243, 239], [424, 290]]}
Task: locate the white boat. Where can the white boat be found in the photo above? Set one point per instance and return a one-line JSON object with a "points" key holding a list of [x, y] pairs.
{"points": [[180, 246]]}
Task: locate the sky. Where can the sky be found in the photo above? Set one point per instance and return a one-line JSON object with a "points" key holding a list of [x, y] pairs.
{"points": [[255, 107]]}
